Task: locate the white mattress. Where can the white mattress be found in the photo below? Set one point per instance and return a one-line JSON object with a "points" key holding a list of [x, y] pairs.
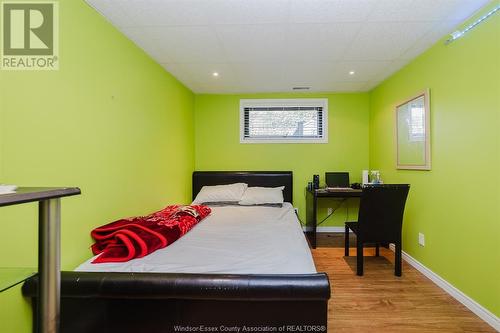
{"points": [[237, 240]]}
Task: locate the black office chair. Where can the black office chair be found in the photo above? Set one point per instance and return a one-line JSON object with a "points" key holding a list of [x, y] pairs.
{"points": [[380, 221]]}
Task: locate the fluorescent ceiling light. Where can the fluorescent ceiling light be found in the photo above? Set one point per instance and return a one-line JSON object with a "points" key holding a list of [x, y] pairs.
{"points": [[459, 33]]}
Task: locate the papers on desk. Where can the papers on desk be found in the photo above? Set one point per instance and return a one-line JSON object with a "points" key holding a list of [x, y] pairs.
{"points": [[7, 189]]}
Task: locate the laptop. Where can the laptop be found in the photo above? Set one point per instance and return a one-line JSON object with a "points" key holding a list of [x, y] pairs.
{"points": [[337, 181]]}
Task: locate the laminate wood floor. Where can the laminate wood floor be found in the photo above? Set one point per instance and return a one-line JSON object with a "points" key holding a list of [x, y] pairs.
{"points": [[381, 302]]}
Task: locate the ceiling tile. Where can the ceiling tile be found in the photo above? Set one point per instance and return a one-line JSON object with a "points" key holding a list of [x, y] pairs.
{"points": [[309, 74], [267, 77], [178, 71], [202, 73], [164, 12], [152, 46], [112, 10], [319, 74], [188, 44], [323, 11], [363, 70], [385, 41], [411, 10], [268, 87], [387, 71], [259, 72], [435, 34], [322, 42], [180, 74], [343, 87], [245, 43], [466, 8], [248, 12], [220, 88]]}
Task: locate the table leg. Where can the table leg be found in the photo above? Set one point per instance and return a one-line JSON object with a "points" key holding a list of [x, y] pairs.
{"points": [[311, 218], [49, 219], [315, 222]]}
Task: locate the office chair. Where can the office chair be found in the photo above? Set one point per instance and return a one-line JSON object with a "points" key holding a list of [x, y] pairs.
{"points": [[380, 221]]}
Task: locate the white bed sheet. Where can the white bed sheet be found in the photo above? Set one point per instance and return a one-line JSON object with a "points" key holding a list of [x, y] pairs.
{"points": [[236, 240]]}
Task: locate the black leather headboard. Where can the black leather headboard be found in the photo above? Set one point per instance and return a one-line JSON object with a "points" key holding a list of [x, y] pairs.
{"points": [[252, 178]]}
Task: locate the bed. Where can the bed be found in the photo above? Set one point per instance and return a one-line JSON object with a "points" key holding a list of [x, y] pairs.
{"points": [[241, 267]]}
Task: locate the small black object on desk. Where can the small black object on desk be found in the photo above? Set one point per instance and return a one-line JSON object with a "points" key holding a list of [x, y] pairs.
{"points": [[312, 197], [315, 181]]}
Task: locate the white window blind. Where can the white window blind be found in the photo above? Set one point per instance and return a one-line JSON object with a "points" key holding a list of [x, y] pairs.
{"points": [[278, 120]]}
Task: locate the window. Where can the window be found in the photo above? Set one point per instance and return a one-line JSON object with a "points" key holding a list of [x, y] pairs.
{"points": [[417, 120], [284, 120]]}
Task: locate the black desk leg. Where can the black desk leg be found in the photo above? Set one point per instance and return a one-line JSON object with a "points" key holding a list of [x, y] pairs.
{"points": [[311, 203], [314, 223]]}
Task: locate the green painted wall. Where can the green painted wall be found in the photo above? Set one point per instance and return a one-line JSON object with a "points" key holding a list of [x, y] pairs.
{"points": [[456, 204], [218, 147], [110, 121]]}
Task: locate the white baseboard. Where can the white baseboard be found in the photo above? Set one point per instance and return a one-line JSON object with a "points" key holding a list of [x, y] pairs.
{"points": [[468, 302], [326, 229]]}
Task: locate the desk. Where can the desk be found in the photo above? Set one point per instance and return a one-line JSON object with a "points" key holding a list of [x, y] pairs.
{"points": [[49, 220], [312, 205]]}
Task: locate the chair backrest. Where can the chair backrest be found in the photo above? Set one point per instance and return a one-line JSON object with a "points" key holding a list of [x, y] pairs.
{"points": [[381, 212]]}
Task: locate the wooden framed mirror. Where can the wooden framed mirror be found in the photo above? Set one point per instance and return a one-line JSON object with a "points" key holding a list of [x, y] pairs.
{"points": [[413, 140]]}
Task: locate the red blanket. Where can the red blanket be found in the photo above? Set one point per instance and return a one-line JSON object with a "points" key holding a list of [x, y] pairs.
{"points": [[136, 237]]}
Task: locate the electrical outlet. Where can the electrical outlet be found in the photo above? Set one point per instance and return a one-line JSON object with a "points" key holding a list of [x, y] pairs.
{"points": [[296, 210], [421, 239], [329, 211]]}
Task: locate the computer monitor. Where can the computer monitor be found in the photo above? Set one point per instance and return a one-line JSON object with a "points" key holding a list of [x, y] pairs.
{"points": [[337, 179]]}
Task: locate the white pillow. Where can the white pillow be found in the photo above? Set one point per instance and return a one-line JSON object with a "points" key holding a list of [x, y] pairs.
{"points": [[220, 193], [262, 195]]}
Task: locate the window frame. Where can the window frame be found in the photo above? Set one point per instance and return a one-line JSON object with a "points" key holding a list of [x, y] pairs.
{"points": [[316, 102]]}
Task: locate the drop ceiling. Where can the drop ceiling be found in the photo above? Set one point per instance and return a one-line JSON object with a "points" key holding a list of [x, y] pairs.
{"points": [[275, 45]]}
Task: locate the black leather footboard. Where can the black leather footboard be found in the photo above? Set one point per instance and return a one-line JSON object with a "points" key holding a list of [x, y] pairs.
{"points": [[168, 302]]}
